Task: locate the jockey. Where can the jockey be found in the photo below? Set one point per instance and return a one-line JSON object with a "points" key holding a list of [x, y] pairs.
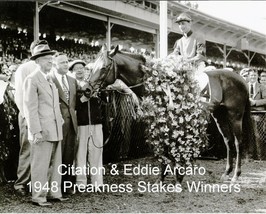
{"points": [[192, 49]]}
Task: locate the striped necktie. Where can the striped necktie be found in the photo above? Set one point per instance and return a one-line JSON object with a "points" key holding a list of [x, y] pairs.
{"points": [[65, 89]]}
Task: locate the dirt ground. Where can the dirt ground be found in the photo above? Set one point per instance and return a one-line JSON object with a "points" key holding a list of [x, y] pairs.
{"points": [[249, 195]]}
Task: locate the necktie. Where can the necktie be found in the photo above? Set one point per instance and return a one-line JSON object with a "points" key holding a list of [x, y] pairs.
{"points": [[64, 87], [251, 90]]}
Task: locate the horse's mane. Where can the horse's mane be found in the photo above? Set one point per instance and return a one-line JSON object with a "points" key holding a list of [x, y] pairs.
{"points": [[133, 55]]}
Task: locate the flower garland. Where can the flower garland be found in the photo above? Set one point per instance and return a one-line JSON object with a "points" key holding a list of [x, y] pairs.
{"points": [[177, 134]]}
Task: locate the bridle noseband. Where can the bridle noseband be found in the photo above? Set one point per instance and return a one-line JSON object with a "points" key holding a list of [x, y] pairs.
{"points": [[110, 67]]}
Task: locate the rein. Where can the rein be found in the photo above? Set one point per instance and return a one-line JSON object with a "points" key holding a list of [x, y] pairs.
{"points": [[109, 67]]}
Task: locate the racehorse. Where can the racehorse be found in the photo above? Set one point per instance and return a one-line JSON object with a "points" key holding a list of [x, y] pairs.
{"points": [[117, 65], [229, 103]]}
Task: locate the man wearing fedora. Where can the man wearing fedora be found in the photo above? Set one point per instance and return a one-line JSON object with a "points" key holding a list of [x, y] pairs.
{"points": [[44, 120], [67, 87], [23, 171]]}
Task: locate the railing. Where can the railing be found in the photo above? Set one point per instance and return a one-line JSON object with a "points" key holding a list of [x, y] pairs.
{"points": [[257, 147], [125, 132]]}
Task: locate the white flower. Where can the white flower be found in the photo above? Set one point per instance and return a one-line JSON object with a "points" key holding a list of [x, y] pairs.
{"points": [[154, 73], [182, 130]]}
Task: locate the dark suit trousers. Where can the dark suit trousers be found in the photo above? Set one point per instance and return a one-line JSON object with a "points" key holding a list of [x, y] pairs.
{"points": [[68, 148]]}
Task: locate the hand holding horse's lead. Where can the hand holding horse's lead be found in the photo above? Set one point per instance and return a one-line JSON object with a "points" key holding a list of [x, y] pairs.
{"points": [[87, 93]]}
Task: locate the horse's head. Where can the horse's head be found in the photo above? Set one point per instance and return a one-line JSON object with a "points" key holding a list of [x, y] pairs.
{"points": [[104, 70], [113, 65]]}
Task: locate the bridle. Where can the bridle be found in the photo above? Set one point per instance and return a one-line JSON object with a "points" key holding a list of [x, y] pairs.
{"points": [[110, 67], [98, 86]]}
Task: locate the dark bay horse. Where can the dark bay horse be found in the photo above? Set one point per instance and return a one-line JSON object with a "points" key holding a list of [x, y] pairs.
{"points": [[229, 104], [117, 65]]}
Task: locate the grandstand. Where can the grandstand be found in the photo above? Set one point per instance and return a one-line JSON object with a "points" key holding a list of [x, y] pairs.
{"points": [[83, 26]]}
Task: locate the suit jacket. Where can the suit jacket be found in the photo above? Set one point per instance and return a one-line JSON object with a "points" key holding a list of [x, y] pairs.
{"points": [[259, 97], [67, 108], [22, 72], [41, 107]]}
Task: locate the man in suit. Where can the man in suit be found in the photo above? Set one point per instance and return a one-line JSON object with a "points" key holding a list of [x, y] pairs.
{"points": [[44, 120], [66, 86], [263, 78], [256, 92], [23, 171], [258, 103]]}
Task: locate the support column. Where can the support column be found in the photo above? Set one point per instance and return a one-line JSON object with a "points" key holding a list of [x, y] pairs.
{"points": [[248, 57], [224, 56], [224, 52], [36, 27], [108, 33], [156, 39], [163, 30]]}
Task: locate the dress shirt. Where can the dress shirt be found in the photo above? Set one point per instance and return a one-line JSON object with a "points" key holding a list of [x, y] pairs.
{"points": [[59, 78]]}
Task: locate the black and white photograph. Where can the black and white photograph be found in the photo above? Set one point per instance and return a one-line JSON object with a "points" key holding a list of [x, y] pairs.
{"points": [[132, 106]]}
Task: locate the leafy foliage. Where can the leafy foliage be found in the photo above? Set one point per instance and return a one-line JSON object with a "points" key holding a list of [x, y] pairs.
{"points": [[177, 134]]}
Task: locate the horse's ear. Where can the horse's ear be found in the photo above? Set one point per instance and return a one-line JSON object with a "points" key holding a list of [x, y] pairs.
{"points": [[114, 51], [104, 47]]}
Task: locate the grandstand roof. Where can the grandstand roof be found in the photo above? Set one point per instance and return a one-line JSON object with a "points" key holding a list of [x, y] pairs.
{"points": [[128, 15], [144, 16]]}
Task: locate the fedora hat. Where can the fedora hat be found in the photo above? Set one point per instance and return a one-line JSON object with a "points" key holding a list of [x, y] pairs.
{"points": [[244, 72], [41, 50], [183, 17], [78, 61]]}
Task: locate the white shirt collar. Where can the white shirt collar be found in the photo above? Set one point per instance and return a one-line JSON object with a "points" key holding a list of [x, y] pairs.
{"points": [[59, 78], [44, 74]]}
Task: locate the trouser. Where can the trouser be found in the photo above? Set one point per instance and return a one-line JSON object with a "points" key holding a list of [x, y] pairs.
{"points": [[68, 150], [23, 171], [45, 171], [90, 153]]}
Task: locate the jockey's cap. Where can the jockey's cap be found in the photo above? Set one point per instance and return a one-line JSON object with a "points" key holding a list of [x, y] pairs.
{"points": [[183, 17]]}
